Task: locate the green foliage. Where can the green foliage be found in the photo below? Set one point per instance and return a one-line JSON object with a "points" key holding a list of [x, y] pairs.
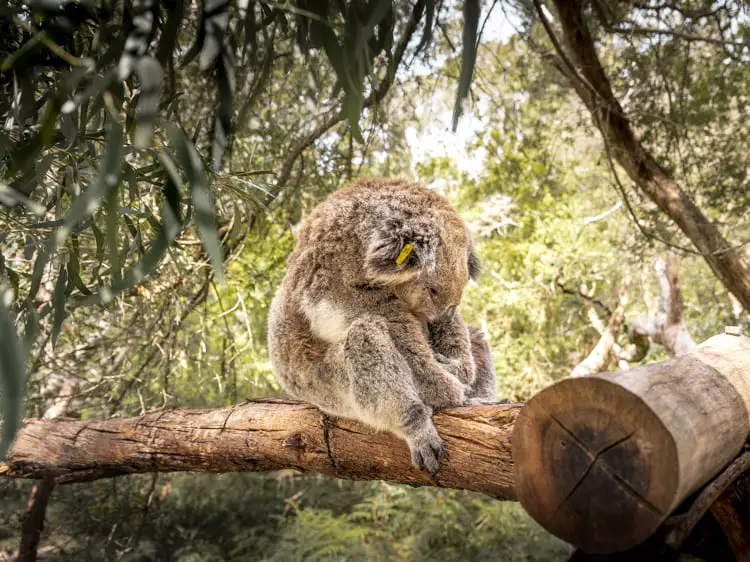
{"points": [[290, 517], [222, 128]]}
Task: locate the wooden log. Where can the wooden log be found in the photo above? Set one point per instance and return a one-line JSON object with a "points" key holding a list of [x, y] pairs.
{"points": [[601, 461], [262, 435]]}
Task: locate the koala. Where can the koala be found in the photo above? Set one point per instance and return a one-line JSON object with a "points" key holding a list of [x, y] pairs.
{"points": [[365, 323]]}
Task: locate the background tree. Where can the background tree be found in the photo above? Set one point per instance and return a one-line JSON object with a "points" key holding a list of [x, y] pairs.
{"points": [[125, 312]]}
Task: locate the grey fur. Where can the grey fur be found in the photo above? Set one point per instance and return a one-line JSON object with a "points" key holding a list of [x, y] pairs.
{"points": [[364, 337]]}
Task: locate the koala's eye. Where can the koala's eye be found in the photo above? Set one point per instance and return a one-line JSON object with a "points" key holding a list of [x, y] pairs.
{"points": [[434, 291]]}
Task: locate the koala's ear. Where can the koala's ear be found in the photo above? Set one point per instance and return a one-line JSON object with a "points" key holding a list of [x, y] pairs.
{"points": [[398, 253], [475, 266]]}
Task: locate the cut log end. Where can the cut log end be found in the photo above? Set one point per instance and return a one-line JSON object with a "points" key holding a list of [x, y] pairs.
{"points": [[591, 475], [601, 461]]}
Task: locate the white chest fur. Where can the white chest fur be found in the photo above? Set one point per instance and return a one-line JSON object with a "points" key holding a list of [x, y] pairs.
{"points": [[327, 321]]}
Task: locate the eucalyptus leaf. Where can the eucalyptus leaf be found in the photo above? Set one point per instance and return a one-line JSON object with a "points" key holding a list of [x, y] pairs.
{"points": [[85, 204], [151, 75], [468, 56], [201, 197], [58, 302], [12, 377]]}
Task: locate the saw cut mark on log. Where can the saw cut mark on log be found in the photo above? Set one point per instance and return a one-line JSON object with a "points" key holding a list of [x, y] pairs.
{"points": [[262, 435], [601, 461]]}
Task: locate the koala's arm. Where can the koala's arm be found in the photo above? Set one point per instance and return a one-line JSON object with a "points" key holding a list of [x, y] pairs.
{"points": [[436, 385], [452, 347]]}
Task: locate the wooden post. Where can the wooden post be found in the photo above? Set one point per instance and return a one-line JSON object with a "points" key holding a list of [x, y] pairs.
{"points": [[601, 461]]}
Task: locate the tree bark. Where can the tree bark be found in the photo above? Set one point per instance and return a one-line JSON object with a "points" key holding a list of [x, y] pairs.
{"points": [[263, 435], [593, 87], [33, 521]]}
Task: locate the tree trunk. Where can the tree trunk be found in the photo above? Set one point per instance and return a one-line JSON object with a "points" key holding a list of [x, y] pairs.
{"points": [[601, 461], [263, 435], [592, 85], [33, 521]]}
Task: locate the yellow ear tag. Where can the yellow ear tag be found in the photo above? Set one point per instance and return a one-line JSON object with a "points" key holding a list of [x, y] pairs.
{"points": [[405, 251]]}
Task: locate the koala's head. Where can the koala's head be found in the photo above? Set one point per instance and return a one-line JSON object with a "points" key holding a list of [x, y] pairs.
{"points": [[426, 261]]}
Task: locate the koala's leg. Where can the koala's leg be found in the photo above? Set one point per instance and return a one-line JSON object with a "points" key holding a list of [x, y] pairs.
{"points": [[438, 387], [449, 337], [484, 387], [382, 390]]}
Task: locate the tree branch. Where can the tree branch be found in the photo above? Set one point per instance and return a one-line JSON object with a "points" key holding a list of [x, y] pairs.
{"points": [[263, 435], [593, 87], [666, 327], [597, 359]]}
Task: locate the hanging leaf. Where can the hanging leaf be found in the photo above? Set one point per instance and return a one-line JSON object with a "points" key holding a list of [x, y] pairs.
{"points": [[223, 126], [138, 40], [167, 232], [74, 267], [12, 376], [428, 25], [58, 303], [112, 226], [169, 32], [151, 76], [215, 21], [469, 56], [201, 197]]}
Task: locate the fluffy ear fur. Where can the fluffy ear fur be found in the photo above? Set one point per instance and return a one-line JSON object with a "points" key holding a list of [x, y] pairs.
{"points": [[475, 266], [388, 241]]}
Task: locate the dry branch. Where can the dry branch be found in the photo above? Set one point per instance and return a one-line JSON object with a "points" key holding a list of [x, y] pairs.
{"points": [[263, 435], [667, 326], [597, 359]]}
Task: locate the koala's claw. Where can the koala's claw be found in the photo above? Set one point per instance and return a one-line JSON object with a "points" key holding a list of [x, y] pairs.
{"points": [[427, 452]]}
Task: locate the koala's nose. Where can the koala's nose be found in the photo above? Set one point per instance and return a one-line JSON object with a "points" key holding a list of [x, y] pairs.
{"points": [[450, 313]]}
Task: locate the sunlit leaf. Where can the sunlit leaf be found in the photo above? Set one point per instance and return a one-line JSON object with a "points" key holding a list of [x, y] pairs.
{"points": [[151, 75]]}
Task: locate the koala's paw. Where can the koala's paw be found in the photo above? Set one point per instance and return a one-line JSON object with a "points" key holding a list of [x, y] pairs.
{"points": [[427, 450], [455, 367]]}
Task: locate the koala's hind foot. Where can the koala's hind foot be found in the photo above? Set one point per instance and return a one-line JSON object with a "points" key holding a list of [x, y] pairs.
{"points": [[383, 392], [426, 446]]}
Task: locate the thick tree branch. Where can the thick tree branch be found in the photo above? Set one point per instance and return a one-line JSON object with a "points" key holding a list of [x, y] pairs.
{"points": [[593, 87], [265, 435]]}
